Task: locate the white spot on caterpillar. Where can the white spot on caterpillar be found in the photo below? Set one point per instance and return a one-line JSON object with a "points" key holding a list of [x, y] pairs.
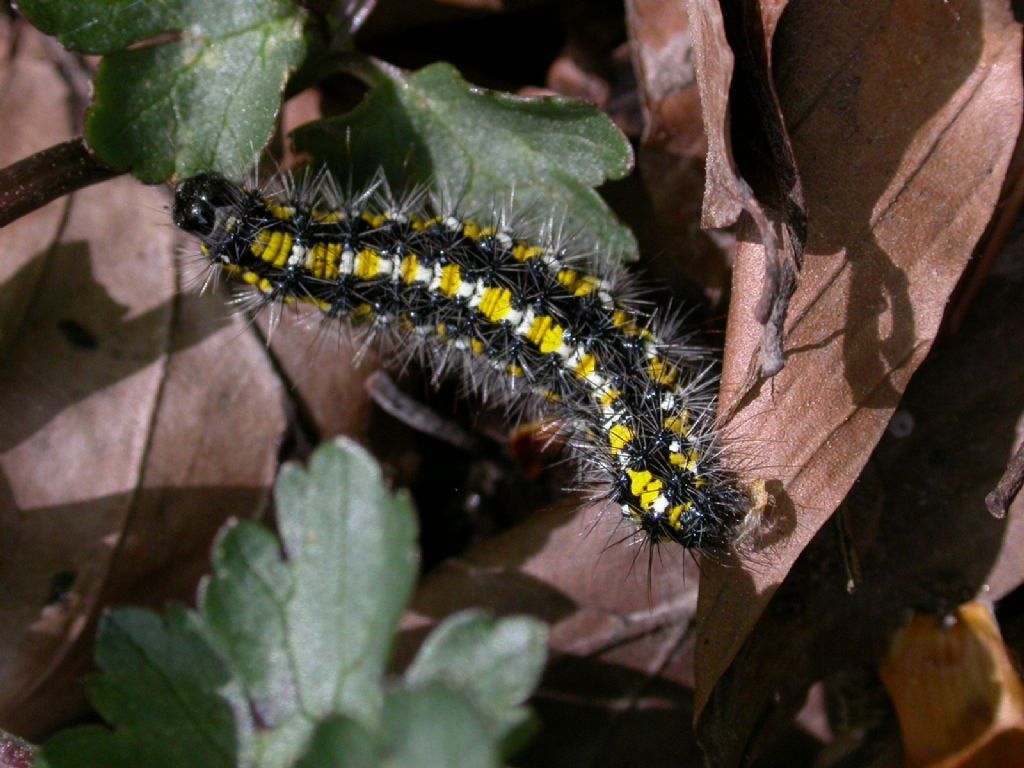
{"points": [[477, 297], [524, 327], [435, 280]]}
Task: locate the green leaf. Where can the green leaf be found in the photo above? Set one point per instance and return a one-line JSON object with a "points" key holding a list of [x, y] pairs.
{"points": [[286, 655], [287, 634], [480, 146], [204, 97], [496, 663], [432, 727], [339, 741], [435, 726], [309, 636], [160, 686]]}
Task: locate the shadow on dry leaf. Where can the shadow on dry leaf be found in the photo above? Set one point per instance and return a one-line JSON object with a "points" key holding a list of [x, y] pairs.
{"points": [[116, 468], [901, 164]]}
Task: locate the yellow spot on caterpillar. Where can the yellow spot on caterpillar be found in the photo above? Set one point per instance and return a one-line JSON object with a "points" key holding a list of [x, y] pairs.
{"points": [[451, 279], [586, 285], [421, 224], [232, 269], [442, 330], [644, 486], [568, 277], [474, 231], [273, 246], [515, 370], [326, 217], [375, 220], [545, 334], [410, 264], [622, 319], [619, 437], [361, 312], [525, 251], [586, 366], [477, 346], [552, 340], [250, 277], [333, 258], [261, 242], [265, 286], [551, 397], [281, 212], [687, 461], [367, 265], [540, 326], [496, 304], [661, 372], [610, 396], [676, 513], [322, 260], [679, 424], [204, 249]]}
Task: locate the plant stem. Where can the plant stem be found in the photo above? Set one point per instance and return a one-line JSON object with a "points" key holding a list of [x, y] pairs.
{"points": [[35, 181]]}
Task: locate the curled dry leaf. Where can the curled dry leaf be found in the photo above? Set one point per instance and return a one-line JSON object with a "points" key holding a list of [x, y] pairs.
{"points": [[959, 698], [122, 405], [903, 118], [671, 156], [743, 118]]}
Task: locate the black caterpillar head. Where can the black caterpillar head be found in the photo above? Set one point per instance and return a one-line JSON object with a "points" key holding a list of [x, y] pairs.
{"points": [[200, 201]]}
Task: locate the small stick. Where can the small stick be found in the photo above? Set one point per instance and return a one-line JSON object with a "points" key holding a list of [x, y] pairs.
{"points": [[999, 500], [59, 170]]}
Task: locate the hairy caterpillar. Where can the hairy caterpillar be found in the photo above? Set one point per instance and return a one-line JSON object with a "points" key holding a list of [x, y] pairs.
{"points": [[521, 319]]}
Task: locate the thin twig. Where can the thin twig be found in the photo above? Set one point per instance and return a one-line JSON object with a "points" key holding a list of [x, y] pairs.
{"points": [[999, 500], [35, 181]]}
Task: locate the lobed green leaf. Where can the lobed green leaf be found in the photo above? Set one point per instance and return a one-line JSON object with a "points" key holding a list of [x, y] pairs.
{"points": [[184, 85], [481, 147]]}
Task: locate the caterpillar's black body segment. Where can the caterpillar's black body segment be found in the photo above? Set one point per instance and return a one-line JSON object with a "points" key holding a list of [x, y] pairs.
{"points": [[519, 316]]}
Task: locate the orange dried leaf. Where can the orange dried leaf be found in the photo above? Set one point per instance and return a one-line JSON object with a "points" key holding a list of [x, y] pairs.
{"points": [[955, 690]]}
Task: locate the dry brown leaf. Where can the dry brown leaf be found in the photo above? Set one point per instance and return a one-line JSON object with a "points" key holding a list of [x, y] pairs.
{"points": [[917, 523], [903, 117], [121, 406], [740, 103]]}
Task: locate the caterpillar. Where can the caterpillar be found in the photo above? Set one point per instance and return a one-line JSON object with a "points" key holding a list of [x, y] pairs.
{"points": [[522, 319]]}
